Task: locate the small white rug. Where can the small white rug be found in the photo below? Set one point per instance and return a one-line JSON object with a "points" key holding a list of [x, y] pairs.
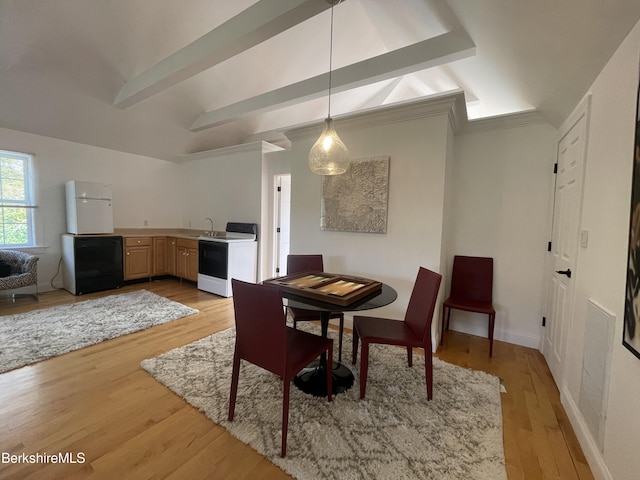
{"points": [[27, 338], [393, 434]]}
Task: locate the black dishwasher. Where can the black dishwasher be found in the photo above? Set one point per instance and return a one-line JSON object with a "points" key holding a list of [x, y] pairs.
{"points": [[92, 263]]}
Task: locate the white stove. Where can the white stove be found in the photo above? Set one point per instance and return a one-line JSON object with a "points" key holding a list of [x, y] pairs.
{"points": [[233, 254]]}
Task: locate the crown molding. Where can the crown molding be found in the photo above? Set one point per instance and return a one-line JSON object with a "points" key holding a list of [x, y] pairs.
{"points": [[450, 103], [499, 122], [261, 147]]}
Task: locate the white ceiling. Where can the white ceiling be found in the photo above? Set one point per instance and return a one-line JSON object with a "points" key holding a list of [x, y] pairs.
{"points": [[63, 63]]}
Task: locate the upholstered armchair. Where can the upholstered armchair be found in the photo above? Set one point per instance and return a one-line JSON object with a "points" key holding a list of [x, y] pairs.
{"points": [[23, 271]]}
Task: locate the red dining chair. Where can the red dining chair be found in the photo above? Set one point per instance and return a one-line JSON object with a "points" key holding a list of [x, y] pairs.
{"points": [[471, 291], [305, 263], [264, 339], [414, 331]]}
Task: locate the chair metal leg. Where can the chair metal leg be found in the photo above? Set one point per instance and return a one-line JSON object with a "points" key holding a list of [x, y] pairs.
{"points": [[364, 368], [442, 330], [428, 373], [340, 339], [329, 370], [234, 385], [492, 321], [285, 415], [354, 345]]}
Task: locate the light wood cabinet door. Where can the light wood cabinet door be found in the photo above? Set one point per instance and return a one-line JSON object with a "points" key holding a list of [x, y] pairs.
{"points": [[171, 255], [137, 258], [160, 248], [181, 262], [192, 264], [187, 259]]}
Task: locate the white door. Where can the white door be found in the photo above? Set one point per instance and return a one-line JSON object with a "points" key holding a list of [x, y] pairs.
{"points": [[564, 243]]}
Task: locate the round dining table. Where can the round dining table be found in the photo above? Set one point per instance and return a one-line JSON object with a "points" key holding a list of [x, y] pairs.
{"points": [[313, 378]]}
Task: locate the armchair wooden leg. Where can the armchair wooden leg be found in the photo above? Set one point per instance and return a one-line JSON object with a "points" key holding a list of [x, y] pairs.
{"points": [[410, 356]]}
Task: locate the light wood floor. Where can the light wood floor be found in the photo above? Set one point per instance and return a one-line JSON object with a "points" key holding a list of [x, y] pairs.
{"points": [[99, 401]]}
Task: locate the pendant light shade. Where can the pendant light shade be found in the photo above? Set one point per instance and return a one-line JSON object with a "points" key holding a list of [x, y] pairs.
{"points": [[329, 156]]}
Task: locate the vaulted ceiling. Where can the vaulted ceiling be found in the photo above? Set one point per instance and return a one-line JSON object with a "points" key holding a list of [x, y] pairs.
{"points": [[167, 78]]}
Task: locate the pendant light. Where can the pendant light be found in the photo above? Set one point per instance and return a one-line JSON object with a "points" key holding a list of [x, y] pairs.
{"points": [[329, 156]]}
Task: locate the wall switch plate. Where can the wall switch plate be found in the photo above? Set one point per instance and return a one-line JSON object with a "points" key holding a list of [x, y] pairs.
{"points": [[584, 238]]}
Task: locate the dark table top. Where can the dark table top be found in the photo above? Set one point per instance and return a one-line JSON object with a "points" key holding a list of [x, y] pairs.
{"points": [[383, 297]]}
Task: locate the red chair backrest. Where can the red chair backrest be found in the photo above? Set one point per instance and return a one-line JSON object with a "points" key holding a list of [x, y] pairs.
{"points": [[304, 263], [261, 334], [472, 278], [422, 304]]}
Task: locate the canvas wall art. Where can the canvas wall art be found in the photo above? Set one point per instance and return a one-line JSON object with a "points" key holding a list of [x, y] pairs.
{"points": [[631, 334], [357, 200]]}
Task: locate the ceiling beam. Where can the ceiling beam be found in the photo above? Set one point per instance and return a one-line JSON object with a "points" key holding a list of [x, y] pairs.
{"points": [[429, 53], [263, 20]]}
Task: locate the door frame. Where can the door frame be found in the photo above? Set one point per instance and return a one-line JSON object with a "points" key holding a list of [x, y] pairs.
{"points": [[583, 110]]}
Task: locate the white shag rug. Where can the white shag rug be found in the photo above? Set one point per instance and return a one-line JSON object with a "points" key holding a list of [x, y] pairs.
{"points": [[26, 338], [395, 433]]}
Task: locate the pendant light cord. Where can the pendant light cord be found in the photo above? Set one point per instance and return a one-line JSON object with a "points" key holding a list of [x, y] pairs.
{"points": [[330, 57]]}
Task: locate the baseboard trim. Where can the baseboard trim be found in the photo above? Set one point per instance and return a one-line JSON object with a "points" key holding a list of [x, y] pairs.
{"points": [[586, 440]]}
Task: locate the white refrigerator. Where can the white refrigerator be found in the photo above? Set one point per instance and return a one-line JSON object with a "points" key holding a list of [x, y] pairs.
{"points": [[89, 207]]}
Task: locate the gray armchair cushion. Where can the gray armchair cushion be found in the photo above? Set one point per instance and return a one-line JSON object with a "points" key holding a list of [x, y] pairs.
{"points": [[23, 269], [5, 269]]}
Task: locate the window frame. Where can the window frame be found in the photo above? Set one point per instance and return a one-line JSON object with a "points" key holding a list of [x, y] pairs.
{"points": [[29, 204]]}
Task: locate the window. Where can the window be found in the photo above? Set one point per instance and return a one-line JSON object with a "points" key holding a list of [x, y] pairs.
{"points": [[16, 199]]}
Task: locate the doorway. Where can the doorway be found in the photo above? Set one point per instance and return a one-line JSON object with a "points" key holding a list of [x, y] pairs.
{"points": [[567, 205], [282, 223]]}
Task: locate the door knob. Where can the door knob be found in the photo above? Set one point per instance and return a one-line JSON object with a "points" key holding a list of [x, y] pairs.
{"points": [[566, 272]]}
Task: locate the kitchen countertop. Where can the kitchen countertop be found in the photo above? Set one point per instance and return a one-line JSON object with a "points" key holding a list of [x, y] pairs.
{"points": [[160, 232]]}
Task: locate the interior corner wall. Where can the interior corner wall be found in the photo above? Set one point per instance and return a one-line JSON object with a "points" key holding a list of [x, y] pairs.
{"points": [[417, 151], [602, 265], [502, 182], [227, 187]]}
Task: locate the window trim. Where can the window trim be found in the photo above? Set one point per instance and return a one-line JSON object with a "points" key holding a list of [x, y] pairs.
{"points": [[29, 204]]}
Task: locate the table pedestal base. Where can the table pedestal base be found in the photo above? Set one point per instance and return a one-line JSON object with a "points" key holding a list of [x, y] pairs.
{"points": [[313, 379]]}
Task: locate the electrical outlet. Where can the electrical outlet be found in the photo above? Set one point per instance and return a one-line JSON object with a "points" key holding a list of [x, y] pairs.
{"points": [[146, 223]]}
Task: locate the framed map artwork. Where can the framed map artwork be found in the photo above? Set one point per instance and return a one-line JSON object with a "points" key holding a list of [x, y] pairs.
{"points": [[357, 200]]}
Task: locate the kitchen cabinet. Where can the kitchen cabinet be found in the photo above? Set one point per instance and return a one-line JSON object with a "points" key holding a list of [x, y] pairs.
{"points": [[171, 255], [187, 259], [138, 257], [160, 256]]}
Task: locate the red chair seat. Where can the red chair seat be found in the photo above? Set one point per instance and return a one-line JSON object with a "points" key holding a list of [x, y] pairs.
{"points": [[386, 331], [471, 291], [414, 331]]}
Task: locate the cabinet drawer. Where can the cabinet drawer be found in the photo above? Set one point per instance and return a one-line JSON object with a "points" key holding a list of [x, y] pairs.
{"points": [[187, 243], [137, 241]]}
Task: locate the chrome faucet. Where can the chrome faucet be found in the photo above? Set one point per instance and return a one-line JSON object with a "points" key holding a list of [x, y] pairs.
{"points": [[211, 231]]}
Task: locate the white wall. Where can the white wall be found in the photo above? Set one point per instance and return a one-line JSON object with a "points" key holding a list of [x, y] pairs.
{"points": [[227, 186], [502, 182], [417, 151], [143, 188], [602, 265]]}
